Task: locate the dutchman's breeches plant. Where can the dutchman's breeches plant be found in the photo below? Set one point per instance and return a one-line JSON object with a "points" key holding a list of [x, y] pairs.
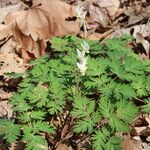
{"points": [[94, 85]]}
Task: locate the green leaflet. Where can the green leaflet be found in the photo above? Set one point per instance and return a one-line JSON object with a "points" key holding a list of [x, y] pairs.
{"points": [[9, 130], [84, 111], [146, 107]]}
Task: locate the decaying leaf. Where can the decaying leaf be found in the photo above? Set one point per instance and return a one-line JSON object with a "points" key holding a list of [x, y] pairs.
{"points": [[7, 47], [11, 63], [99, 16], [6, 7], [139, 129], [136, 14], [43, 20], [63, 147], [103, 11], [111, 6], [9, 60], [144, 30], [5, 108], [5, 33], [145, 43], [148, 121], [129, 144], [137, 138]]}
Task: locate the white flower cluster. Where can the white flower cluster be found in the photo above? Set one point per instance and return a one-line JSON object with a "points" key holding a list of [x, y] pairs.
{"points": [[81, 14], [82, 64]]}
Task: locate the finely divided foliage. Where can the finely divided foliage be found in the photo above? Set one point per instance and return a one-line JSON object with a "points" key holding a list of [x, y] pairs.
{"points": [[99, 97]]}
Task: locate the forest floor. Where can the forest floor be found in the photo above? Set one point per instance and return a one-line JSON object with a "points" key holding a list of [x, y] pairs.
{"points": [[104, 19]]}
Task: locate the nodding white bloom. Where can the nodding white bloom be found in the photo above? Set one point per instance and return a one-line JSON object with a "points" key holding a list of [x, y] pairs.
{"points": [[82, 58], [81, 55], [82, 66], [85, 47], [80, 14], [82, 62]]}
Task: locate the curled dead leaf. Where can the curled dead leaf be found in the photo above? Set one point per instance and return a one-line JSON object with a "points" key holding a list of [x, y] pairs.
{"points": [[145, 43], [43, 20]]}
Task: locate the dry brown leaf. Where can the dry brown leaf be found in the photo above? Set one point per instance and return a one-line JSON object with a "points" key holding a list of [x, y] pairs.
{"points": [[7, 47], [5, 108], [9, 60], [99, 16], [148, 121], [139, 129], [43, 20], [63, 147], [148, 139], [5, 33], [129, 144], [144, 30], [17, 146], [145, 43], [6, 6], [11, 63], [137, 13], [136, 138], [112, 6], [95, 36], [4, 95], [103, 11]]}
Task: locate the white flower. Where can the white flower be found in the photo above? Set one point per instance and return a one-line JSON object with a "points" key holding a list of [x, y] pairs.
{"points": [[81, 55], [85, 47], [80, 14], [79, 11], [82, 66]]}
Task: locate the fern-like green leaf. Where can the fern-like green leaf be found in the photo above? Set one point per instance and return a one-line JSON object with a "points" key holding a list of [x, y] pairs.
{"points": [[114, 143], [38, 115], [133, 65], [107, 89], [100, 138], [126, 111], [83, 107], [96, 67], [117, 124], [39, 126], [38, 94], [34, 142], [139, 85], [124, 91], [9, 130], [146, 107], [85, 125], [105, 107]]}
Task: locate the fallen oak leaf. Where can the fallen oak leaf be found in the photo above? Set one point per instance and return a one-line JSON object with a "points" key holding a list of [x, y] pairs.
{"points": [[40, 22]]}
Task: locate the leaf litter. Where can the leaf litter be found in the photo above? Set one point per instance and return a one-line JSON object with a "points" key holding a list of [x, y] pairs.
{"points": [[22, 39]]}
